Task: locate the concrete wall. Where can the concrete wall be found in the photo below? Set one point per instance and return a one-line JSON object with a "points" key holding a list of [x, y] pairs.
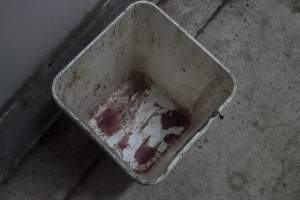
{"points": [[28, 31], [34, 30]]}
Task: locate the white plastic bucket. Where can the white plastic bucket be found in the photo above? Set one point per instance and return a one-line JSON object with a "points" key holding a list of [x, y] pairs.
{"points": [[181, 75]]}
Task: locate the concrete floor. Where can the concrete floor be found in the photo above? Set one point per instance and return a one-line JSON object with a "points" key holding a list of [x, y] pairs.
{"points": [[253, 153]]}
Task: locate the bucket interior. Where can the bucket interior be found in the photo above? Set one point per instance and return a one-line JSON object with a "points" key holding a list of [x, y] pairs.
{"points": [[166, 73]]}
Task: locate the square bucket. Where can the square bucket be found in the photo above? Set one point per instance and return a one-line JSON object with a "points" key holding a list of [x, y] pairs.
{"points": [[144, 90]]}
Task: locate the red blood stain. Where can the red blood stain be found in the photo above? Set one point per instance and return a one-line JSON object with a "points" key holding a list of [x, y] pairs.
{"points": [[175, 118], [123, 143], [144, 153], [171, 138], [108, 121]]}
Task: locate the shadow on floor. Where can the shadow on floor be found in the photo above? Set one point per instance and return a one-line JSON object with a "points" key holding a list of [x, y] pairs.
{"points": [[61, 164], [107, 181]]}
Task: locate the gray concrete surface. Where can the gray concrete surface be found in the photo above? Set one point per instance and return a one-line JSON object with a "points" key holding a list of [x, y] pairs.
{"points": [[253, 153], [192, 15], [54, 167]]}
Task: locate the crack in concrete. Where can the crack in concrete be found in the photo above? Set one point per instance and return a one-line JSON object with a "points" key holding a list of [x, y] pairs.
{"points": [[212, 17]]}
